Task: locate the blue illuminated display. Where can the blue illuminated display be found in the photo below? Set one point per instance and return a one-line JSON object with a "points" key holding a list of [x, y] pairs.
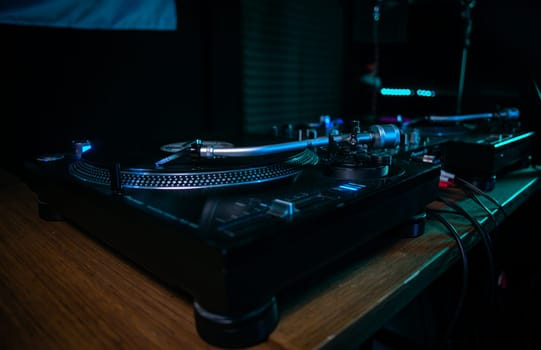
{"points": [[407, 92], [396, 92], [350, 186], [425, 93], [513, 139]]}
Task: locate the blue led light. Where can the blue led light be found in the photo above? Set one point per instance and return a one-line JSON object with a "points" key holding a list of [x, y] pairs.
{"points": [[396, 92], [86, 148], [513, 139], [50, 157], [426, 93], [351, 186], [407, 92]]}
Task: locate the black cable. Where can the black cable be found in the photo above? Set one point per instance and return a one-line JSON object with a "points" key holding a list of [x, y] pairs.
{"points": [[488, 244], [480, 192], [476, 190], [484, 234], [483, 206], [433, 214], [490, 214]]}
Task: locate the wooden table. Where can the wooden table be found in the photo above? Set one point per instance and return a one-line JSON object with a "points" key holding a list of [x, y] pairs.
{"points": [[59, 289]]}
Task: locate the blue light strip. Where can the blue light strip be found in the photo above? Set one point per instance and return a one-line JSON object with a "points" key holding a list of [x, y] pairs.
{"points": [[407, 92], [351, 186], [396, 92], [513, 139], [519, 192], [426, 93]]}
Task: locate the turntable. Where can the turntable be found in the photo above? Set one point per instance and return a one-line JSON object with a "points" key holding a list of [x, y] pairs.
{"points": [[234, 225], [480, 158], [476, 147]]}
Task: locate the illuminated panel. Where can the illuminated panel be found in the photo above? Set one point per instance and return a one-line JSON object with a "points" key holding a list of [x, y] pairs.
{"points": [[513, 139], [407, 92], [351, 186], [425, 93], [396, 92]]}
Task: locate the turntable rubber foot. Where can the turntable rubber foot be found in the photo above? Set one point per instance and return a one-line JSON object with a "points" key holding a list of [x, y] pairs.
{"points": [[414, 226], [47, 212], [238, 331]]}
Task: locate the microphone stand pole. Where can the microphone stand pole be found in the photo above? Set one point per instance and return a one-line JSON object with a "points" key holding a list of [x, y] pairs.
{"points": [[468, 6]]}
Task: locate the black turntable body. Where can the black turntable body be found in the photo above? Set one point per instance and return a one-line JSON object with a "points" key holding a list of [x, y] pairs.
{"points": [[476, 147], [481, 158], [234, 236]]}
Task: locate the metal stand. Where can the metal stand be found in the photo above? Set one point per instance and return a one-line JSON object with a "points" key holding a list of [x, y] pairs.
{"points": [[466, 13]]}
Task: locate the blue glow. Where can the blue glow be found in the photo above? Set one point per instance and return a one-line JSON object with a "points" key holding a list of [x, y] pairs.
{"points": [[396, 92], [109, 15], [325, 119], [50, 157], [426, 93], [407, 92], [350, 187], [519, 192], [513, 139], [537, 89], [86, 148]]}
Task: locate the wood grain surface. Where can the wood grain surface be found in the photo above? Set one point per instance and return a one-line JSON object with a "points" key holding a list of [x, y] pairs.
{"points": [[59, 289]]}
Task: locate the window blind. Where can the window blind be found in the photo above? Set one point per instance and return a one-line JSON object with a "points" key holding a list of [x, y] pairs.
{"points": [[292, 61]]}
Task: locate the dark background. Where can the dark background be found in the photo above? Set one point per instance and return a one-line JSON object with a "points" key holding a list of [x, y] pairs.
{"points": [[237, 67], [147, 88]]}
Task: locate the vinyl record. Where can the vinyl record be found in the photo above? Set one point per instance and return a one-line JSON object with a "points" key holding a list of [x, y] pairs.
{"points": [[138, 170]]}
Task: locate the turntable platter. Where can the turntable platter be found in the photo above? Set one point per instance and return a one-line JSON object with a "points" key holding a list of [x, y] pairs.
{"points": [[138, 170]]}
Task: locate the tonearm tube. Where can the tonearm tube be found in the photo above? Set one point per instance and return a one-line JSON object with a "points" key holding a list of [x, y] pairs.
{"points": [[509, 113], [378, 136]]}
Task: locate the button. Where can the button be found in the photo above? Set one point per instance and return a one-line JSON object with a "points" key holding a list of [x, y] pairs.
{"points": [[281, 208]]}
